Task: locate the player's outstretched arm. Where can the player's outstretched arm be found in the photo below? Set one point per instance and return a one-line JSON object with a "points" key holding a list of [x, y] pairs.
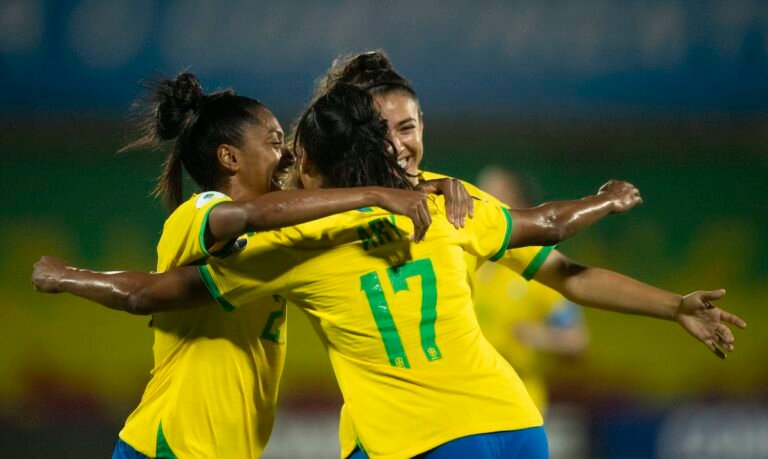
{"points": [[608, 290], [132, 292], [553, 222], [285, 208]]}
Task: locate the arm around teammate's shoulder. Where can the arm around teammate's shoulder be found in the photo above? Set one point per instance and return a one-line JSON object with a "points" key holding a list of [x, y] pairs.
{"points": [[286, 208]]}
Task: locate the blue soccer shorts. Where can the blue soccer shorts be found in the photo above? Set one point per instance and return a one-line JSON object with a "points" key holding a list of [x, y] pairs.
{"points": [[511, 444]]}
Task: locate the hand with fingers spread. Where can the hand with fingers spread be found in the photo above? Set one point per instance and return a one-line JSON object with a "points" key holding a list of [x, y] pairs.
{"points": [[47, 273], [706, 322], [412, 204], [458, 202], [623, 195]]}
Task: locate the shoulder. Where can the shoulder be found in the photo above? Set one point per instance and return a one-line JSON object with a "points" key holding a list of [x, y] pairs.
{"points": [[207, 198], [335, 229], [182, 239], [197, 203], [473, 190]]}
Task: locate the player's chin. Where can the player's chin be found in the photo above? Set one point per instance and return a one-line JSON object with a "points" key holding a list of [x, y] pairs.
{"points": [[275, 184], [284, 178]]}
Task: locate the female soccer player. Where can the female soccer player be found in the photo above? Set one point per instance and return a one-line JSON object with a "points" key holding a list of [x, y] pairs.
{"points": [[215, 378], [398, 103], [396, 318]]}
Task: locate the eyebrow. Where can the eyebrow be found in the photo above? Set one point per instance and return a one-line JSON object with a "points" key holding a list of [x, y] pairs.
{"points": [[410, 119]]}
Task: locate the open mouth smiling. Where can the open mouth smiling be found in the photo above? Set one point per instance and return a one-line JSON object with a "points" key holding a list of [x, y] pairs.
{"points": [[282, 172]]}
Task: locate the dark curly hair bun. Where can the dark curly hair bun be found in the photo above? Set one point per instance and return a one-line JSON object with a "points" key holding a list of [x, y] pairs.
{"points": [[371, 61], [177, 100]]}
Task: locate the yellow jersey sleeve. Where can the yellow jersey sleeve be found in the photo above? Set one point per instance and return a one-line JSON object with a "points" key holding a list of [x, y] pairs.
{"points": [[183, 238], [473, 191], [488, 231], [484, 228], [525, 261], [261, 269]]}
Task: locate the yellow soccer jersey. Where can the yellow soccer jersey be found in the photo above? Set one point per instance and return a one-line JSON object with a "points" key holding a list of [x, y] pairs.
{"points": [[396, 318], [214, 384], [505, 300], [523, 261]]}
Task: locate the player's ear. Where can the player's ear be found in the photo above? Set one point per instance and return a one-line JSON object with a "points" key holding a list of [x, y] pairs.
{"points": [[228, 156], [309, 174], [307, 166]]}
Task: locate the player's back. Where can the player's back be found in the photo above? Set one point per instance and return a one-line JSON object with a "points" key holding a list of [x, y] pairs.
{"points": [[398, 321]]}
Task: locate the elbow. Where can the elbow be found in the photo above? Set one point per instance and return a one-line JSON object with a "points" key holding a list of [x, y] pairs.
{"points": [[139, 303], [554, 237], [262, 217], [254, 218], [556, 229]]}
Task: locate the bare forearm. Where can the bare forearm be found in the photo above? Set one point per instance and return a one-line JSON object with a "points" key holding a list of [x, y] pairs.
{"points": [[287, 208], [608, 290], [115, 290], [553, 222], [603, 289], [620, 293], [133, 292]]}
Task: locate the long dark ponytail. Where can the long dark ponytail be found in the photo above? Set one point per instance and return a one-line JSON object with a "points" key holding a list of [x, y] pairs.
{"points": [[179, 109]]}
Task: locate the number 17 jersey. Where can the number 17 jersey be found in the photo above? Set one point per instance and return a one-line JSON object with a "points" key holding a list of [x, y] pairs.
{"points": [[396, 318]]}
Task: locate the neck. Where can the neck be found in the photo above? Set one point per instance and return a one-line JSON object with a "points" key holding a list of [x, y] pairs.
{"points": [[310, 182], [236, 191]]}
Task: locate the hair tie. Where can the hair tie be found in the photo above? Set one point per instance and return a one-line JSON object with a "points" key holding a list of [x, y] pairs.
{"points": [[400, 84]]}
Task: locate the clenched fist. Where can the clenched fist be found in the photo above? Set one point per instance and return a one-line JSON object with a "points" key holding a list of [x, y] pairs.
{"points": [[622, 195], [46, 274]]}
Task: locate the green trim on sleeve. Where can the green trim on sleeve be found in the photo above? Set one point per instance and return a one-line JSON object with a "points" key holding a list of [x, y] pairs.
{"points": [[204, 225], [507, 235], [538, 260], [205, 274]]}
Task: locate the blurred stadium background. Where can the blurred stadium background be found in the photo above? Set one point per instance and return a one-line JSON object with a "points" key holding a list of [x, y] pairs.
{"points": [[669, 94]]}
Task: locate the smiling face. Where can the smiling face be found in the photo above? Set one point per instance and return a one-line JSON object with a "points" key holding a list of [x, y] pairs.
{"points": [[260, 154], [403, 116]]}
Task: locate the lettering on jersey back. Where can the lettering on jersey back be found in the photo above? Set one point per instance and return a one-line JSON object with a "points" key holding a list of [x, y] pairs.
{"points": [[378, 232]]}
